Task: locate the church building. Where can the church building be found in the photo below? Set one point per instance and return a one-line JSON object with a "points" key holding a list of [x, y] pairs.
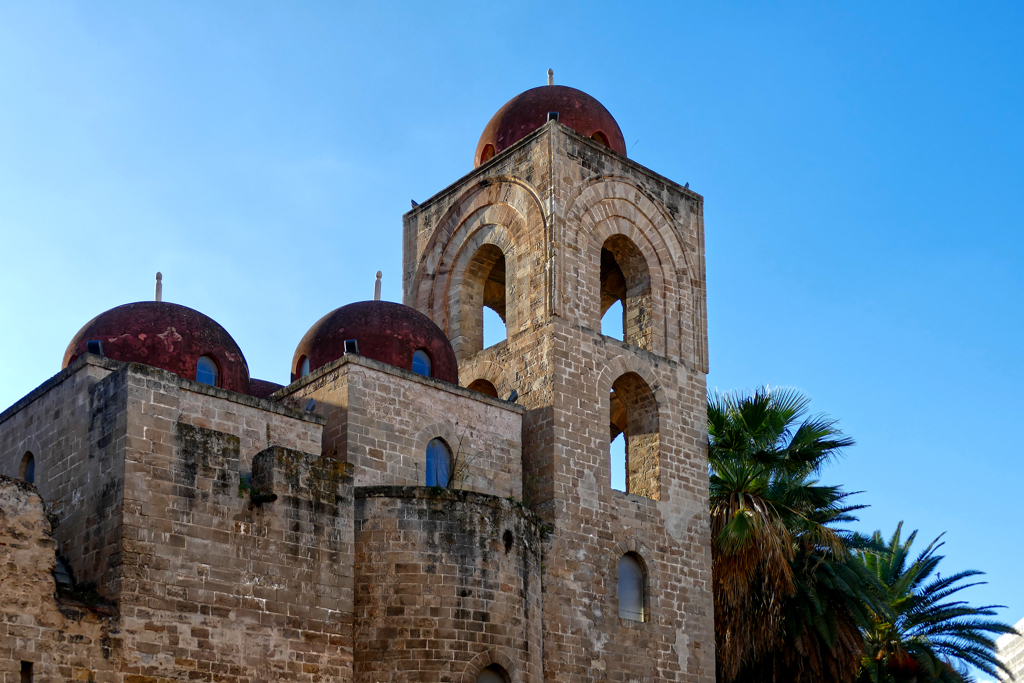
{"points": [[415, 506]]}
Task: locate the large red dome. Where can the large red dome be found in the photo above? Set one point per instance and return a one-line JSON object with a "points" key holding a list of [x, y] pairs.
{"points": [[166, 336], [528, 111], [384, 331]]}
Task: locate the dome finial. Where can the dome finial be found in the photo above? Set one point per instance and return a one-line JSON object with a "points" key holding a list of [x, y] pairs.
{"points": [[551, 76], [376, 286], [159, 287]]}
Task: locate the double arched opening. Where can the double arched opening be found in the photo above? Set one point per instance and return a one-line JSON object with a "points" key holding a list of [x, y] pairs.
{"points": [[634, 437], [626, 306]]}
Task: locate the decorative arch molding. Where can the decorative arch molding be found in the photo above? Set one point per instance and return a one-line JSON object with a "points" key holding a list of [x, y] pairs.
{"points": [[611, 205], [505, 201], [488, 370], [452, 302], [503, 212], [619, 366], [485, 659]]}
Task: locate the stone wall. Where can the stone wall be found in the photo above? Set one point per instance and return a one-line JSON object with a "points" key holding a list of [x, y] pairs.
{"points": [[75, 426], [60, 639], [447, 583], [380, 419]]}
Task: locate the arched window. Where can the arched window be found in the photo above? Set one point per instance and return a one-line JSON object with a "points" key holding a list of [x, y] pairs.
{"points": [[483, 289], [613, 321], [439, 462], [632, 591], [484, 387], [492, 674], [487, 154], [27, 470], [303, 366], [633, 413], [207, 371], [421, 363], [600, 137], [626, 279]]}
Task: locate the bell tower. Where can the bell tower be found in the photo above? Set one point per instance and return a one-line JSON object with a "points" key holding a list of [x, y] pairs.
{"points": [[553, 226]]}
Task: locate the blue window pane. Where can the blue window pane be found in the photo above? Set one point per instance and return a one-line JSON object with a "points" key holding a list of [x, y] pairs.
{"points": [[421, 363], [439, 460], [206, 371], [631, 589], [304, 367]]}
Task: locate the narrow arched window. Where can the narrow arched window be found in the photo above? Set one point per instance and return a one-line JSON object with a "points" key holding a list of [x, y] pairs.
{"points": [[483, 317], [631, 588], [421, 363], [439, 463], [600, 137], [207, 371], [626, 280], [27, 471], [635, 457], [303, 367]]}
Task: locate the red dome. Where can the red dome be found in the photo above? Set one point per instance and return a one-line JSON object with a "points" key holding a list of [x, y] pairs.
{"points": [[528, 111], [384, 331], [261, 388], [166, 336]]}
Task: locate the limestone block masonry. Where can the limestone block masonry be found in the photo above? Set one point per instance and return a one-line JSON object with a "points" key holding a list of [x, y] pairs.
{"points": [[156, 529]]}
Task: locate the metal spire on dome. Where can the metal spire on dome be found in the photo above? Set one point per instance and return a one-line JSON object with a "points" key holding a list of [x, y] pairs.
{"points": [[159, 287], [376, 287], [551, 76]]}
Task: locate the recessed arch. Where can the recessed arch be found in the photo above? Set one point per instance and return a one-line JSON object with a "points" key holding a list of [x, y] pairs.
{"points": [[601, 137], [633, 412], [504, 211], [626, 279], [614, 204], [484, 387]]}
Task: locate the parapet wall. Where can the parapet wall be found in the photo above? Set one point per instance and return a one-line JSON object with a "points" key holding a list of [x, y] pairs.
{"points": [[447, 583]]}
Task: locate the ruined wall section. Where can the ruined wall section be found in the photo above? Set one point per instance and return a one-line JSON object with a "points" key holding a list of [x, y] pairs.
{"points": [[61, 641], [75, 426], [447, 583], [381, 418]]}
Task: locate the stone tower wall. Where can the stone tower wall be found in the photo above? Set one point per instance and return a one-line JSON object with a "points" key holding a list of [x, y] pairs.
{"points": [[447, 583], [559, 197]]}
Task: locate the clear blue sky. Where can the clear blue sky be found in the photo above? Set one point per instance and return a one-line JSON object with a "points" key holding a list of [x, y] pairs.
{"points": [[861, 165]]}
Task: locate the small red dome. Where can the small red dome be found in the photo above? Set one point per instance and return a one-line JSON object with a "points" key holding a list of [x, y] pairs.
{"points": [[384, 331], [261, 388], [528, 111], [166, 336]]}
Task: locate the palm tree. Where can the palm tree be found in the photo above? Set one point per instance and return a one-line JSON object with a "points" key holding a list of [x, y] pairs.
{"points": [[922, 636], [788, 601]]}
